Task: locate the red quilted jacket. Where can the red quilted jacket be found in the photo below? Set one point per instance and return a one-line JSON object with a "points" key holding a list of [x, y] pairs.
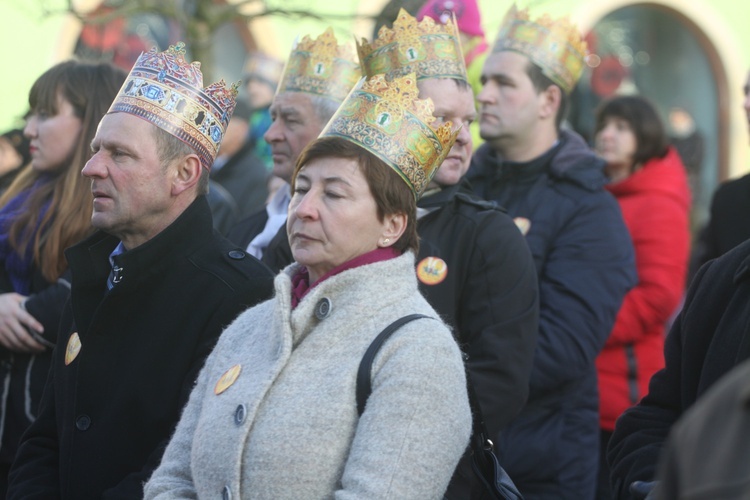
{"points": [[655, 203]]}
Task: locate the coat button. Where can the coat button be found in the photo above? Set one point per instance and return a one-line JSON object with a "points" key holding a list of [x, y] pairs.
{"points": [[237, 254], [226, 493], [323, 308], [83, 422], [240, 414]]}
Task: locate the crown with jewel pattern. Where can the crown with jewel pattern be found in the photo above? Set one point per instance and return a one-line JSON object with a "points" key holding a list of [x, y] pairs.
{"points": [[426, 48], [321, 67], [387, 118], [167, 91], [555, 45]]}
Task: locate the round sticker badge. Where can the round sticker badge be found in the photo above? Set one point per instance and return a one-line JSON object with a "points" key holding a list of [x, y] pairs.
{"points": [[73, 348], [432, 270], [227, 379], [523, 224]]}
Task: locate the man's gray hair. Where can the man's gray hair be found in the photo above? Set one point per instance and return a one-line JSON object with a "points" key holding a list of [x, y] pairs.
{"points": [[324, 107]]}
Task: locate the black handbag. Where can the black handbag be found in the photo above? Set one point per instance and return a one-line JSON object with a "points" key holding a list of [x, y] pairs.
{"points": [[496, 481]]}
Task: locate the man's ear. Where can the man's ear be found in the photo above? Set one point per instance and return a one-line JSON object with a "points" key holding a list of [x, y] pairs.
{"points": [[187, 172], [551, 99]]}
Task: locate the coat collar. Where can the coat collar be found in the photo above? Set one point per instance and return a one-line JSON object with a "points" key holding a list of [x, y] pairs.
{"points": [[184, 235]]}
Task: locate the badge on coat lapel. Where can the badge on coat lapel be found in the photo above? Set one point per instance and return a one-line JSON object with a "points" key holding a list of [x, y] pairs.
{"points": [[432, 270], [523, 224], [226, 380], [73, 348]]}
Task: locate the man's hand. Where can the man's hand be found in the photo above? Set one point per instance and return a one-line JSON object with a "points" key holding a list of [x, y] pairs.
{"points": [[14, 325]]}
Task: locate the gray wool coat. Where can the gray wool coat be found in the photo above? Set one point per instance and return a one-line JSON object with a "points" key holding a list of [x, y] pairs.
{"points": [[288, 427]]}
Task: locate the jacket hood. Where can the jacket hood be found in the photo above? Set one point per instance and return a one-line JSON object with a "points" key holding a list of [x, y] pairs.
{"points": [[666, 176], [572, 161]]}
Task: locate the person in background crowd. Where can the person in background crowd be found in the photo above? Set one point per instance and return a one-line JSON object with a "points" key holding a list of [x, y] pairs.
{"points": [[726, 227], [552, 184], [151, 290], [474, 266], [651, 185], [46, 209], [319, 75], [262, 76], [473, 40], [288, 367], [14, 154], [707, 455], [708, 338], [237, 169]]}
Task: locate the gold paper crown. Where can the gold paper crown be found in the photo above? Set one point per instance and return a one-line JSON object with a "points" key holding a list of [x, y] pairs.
{"points": [[387, 119], [427, 49], [555, 45], [321, 67], [164, 89]]}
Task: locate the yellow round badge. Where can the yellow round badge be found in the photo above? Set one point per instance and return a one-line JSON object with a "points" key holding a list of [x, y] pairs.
{"points": [[227, 379], [74, 347], [432, 270]]}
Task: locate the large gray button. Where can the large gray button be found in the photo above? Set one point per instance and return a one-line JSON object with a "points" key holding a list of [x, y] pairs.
{"points": [[323, 308], [237, 254], [240, 414]]}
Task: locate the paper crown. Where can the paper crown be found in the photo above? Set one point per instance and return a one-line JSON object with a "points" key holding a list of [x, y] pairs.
{"points": [[321, 67], [426, 48], [555, 45], [164, 89], [263, 67], [387, 119]]}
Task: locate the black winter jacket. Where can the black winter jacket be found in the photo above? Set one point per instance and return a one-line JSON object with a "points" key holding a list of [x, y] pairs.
{"points": [[488, 293]]}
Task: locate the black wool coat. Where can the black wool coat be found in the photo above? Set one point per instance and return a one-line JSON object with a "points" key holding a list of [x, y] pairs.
{"points": [[710, 336], [107, 415]]}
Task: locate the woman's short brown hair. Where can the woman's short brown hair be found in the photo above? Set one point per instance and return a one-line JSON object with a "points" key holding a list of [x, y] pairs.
{"points": [[391, 193]]}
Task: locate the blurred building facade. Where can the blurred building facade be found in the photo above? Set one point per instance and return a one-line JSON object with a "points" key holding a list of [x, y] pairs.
{"points": [[690, 58]]}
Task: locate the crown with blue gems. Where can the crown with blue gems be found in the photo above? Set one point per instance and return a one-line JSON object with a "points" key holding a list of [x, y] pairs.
{"points": [[321, 67], [426, 48], [386, 118], [555, 45], [164, 89]]}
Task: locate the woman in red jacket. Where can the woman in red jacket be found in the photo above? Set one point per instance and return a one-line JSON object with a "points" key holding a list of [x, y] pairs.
{"points": [[650, 183]]}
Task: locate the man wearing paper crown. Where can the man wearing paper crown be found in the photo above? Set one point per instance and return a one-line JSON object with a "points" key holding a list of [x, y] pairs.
{"points": [[291, 363], [151, 290], [473, 266], [553, 187], [317, 78]]}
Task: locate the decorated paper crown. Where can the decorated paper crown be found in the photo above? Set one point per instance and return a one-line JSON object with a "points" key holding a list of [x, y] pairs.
{"points": [[555, 45], [428, 49], [263, 67], [164, 89], [320, 67], [386, 118]]}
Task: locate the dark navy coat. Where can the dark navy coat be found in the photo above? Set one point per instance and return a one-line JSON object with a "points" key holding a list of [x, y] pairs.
{"points": [[585, 263]]}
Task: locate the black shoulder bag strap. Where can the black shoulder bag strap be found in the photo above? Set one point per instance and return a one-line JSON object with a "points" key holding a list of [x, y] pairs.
{"points": [[486, 466], [364, 374]]}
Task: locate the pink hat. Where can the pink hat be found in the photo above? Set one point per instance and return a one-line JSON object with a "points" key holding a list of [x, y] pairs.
{"points": [[467, 14]]}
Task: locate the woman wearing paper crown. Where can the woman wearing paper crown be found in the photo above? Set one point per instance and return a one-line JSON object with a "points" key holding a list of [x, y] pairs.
{"points": [[46, 209], [275, 413]]}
